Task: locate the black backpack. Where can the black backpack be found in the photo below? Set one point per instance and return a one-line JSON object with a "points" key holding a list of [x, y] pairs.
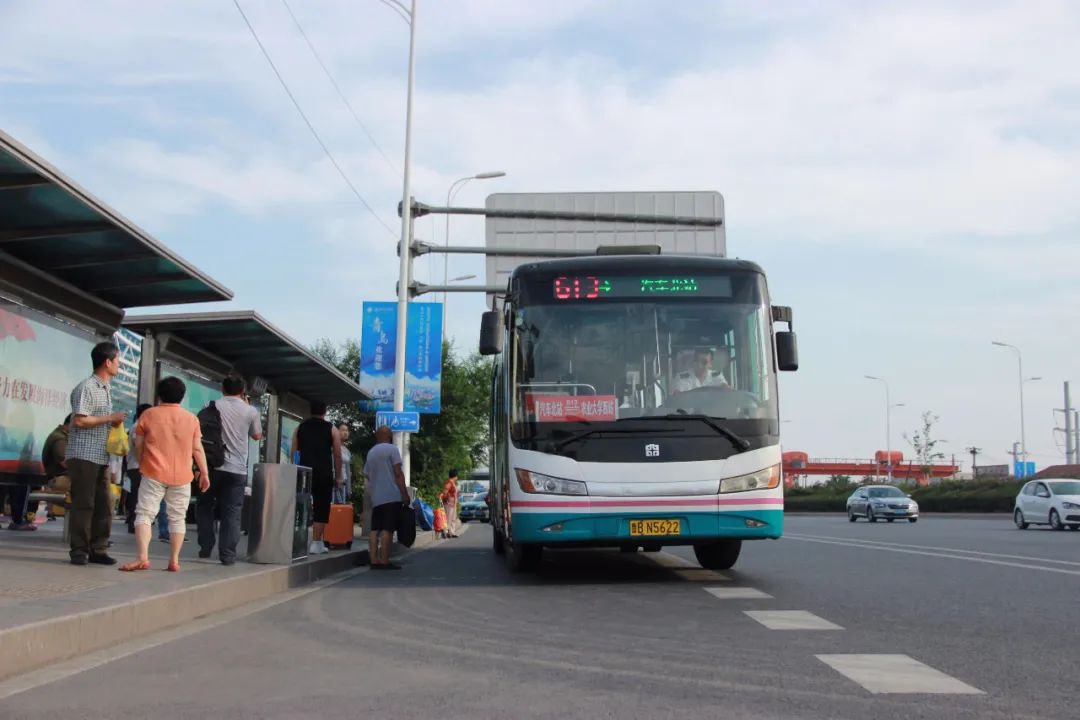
{"points": [[213, 441]]}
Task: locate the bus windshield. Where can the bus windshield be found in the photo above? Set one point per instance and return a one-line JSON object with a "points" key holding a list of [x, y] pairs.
{"points": [[588, 364]]}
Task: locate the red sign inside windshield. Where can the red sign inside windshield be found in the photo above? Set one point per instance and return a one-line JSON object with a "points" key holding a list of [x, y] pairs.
{"points": [[570, 408]]}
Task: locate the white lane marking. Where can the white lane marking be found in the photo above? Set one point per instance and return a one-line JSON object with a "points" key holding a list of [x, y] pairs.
{"points": [[932, 547], [791, 620], [685, 568], [60, 671], [882, 674], [737, 593], [864, 546]]}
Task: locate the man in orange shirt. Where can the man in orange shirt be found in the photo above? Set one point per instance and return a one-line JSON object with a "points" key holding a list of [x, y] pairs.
{"points": [[167, 439]]}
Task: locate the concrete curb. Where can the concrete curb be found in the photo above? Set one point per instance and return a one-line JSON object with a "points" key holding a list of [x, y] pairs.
{"points": [[35, 645]]}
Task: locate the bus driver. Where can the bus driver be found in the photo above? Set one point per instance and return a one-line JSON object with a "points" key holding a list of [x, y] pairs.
{"points": [[701, 374]]}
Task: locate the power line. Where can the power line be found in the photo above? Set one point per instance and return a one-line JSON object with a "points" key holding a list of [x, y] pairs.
{"points": [[311, 127], [337, 88]]}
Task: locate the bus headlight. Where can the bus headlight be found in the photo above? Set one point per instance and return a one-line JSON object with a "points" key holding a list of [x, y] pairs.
{"points": [[534, 482], [766, 479]]}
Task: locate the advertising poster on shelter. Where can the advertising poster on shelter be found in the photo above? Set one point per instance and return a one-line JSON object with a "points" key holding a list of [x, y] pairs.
{"points": [[423, 356], [41, 361]]}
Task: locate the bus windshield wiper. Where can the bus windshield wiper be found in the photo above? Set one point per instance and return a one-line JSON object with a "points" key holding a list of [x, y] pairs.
{"points": [[736, 440], [597, 431]]}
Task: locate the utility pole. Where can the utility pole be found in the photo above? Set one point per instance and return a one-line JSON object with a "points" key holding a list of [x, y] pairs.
{"points": [[974, 468], [1017, 453], [1070, 440], [1076, 436]]}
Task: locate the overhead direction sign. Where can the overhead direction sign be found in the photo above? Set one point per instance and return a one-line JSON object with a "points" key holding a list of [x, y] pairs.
{"points": [[398, 421]]}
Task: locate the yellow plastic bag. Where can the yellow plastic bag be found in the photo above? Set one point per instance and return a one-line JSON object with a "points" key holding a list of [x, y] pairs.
{"points": [[117, 444]]}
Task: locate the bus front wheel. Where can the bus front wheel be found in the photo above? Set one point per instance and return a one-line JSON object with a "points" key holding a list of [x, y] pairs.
{"points": [[523, 557], [719, 555]]}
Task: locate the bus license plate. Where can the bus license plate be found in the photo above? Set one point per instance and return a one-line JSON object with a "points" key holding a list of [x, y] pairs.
{"points": [[655, 527]]}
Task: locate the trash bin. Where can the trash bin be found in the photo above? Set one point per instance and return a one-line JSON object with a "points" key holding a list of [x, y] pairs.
{"points": [[280, 509]]}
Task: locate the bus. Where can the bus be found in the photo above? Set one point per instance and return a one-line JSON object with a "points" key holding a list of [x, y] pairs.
{"points": [[635, 406]]}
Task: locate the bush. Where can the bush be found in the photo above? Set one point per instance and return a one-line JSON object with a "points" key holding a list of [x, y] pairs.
{"points": [[948, 496]]}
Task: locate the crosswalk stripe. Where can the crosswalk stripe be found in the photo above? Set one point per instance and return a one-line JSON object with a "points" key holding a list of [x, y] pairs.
{"points": [[791, 620], [737, 593], [896, 674]]}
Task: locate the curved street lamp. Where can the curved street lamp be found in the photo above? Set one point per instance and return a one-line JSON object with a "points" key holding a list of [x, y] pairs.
{"points": [[455, 188], [1020, 376], [888, 424]]}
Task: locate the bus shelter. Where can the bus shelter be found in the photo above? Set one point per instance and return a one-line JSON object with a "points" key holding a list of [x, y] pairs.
{"points": [[283, 376], [70, 266]]}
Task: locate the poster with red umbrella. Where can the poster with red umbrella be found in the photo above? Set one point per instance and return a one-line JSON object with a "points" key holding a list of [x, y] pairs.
{"points": [[41, 360], [15, 326]]}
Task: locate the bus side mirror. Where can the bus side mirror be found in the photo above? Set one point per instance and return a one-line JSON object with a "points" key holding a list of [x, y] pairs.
{"points": [[491, 333], [787, 351]]}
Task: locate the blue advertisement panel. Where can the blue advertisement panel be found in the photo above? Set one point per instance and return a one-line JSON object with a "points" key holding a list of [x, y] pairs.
{"points": [[1023, 469], [377, 346], [423, 356], [289, 424]]}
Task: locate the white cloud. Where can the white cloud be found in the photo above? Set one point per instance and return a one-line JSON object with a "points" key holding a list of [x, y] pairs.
{"points": [[947, 132]]}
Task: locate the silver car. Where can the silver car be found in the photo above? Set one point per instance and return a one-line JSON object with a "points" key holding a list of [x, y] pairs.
{"points": [[882, 502], [474, 504]]}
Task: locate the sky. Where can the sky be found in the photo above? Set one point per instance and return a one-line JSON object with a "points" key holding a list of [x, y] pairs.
{"points": [[907, 174]]}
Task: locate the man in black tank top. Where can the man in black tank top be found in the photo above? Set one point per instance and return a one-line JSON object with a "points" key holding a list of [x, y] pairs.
{"points": [[319, 444]]}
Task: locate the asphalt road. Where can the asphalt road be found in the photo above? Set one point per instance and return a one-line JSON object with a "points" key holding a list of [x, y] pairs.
{"points": [[946, 618]]}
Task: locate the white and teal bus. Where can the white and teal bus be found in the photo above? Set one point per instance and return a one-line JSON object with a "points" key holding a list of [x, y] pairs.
{"points": [[635, 406]]}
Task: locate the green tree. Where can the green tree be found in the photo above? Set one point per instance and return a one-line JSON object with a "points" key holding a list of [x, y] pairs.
{"points": [[924, 444], [838, 483], [457, 438]]}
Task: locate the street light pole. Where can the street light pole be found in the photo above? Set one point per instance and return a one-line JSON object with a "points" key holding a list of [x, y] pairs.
{"points": [[405, 250], [1020, 377], [450, 193], [888, 426]]}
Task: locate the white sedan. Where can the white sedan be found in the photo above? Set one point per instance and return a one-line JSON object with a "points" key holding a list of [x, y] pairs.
{"points": [[1051, 501]]}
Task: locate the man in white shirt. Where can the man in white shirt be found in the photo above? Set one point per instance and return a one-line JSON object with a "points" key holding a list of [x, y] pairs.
{"points": [[239, 421], [702, 373]]}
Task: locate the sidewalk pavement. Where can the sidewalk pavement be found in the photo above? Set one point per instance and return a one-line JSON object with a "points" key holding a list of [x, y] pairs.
{"points": [[51, 610]]}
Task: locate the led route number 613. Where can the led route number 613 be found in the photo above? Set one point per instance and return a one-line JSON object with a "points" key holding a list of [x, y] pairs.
{"points": [[577, 288]]}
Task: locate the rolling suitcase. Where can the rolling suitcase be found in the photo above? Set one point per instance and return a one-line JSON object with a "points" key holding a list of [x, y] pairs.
{"points": [[339, 531]]}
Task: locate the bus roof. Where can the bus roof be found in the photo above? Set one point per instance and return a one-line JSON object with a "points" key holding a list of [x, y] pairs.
{"points": [[632, 263]]}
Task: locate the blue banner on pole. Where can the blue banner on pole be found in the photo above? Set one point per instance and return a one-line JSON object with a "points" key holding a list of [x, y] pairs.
{"points": [[423, 356], [423, 359]]}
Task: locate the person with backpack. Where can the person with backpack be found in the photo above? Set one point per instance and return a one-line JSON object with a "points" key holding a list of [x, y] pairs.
{"points": [[226, 425]]}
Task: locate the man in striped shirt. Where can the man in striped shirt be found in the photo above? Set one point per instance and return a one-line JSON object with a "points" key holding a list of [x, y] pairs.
{"points": [[90, 517]]}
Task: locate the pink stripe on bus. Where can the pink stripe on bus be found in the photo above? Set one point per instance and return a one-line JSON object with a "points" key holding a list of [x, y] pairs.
{"points": [[585, 504]]}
